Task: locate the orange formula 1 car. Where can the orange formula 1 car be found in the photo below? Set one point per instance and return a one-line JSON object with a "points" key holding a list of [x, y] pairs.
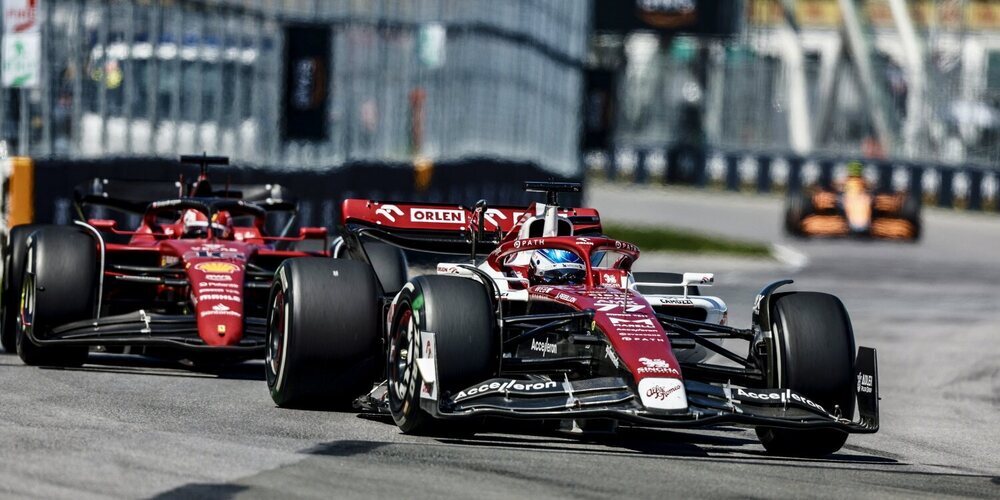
{"points": [[853, 208]]}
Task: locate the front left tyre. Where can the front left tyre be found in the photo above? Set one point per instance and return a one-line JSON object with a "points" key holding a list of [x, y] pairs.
{"points": [[13, 270], [812, 352], [59, 285]]}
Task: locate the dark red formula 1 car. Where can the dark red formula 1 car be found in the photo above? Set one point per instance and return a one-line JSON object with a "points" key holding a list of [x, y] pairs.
{"points": [[553, 325], [190, 282]]}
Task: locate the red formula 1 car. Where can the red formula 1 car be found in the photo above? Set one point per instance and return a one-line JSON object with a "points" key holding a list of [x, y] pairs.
{"points": [[190, 282], [553, 325]]}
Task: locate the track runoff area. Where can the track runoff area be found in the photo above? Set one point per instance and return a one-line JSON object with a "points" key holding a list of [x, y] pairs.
{"points": [[124, 427]]}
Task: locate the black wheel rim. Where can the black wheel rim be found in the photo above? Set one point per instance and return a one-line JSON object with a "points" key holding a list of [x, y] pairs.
{"points": [[26, 317], [402, 376]]}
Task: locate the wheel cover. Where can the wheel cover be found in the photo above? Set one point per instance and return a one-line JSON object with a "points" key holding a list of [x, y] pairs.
{"points": [[276, 338], [401, 366]]}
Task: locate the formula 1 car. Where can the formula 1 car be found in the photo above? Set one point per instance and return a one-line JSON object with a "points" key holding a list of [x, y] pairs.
{"points": [[190, 282], [853, 209], [553, 325]]}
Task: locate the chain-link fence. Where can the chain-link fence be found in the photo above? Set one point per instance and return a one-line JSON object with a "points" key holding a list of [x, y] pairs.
{"points": [[737, 94], [437, 79]]}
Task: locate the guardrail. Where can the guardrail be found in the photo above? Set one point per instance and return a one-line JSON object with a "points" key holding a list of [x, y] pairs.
{"points": [[970, 187]]}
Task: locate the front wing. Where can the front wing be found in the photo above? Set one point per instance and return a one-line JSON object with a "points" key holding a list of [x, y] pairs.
{"points": [[615, 398], [150, 329]]}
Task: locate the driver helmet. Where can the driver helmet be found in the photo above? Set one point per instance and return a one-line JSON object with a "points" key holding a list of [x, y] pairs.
{"points": [[222, 225], [855, 169], [195, 224], [550, 266]]}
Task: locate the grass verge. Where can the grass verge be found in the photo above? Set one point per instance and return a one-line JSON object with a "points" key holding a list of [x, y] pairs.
{"points": [[678, 240]]}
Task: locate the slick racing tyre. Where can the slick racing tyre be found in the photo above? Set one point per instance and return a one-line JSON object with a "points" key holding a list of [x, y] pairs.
{"points": [[459, 312], [813, 343], [663, 278], [10, 296], [322, 332], [910, 212], [58, 286], [799, 206]]}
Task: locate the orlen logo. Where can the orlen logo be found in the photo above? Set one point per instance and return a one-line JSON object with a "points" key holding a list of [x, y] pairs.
{"points": [[217, 267], [437, 216], [389, 212]]}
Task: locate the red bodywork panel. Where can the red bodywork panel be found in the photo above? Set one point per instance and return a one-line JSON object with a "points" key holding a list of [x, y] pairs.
{"points": [[215, 269], [441, 217]]}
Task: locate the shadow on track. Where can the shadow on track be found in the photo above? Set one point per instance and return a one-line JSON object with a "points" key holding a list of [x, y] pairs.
{"points": [[142, 365]]}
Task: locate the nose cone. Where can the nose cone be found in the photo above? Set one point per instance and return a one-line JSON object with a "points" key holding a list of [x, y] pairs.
{"points": [[217, 293]]}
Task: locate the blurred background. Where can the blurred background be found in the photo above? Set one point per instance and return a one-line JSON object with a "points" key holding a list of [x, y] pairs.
{"points": [[740, 94]]}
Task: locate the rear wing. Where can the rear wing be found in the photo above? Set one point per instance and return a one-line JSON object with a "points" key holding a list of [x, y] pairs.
{"points": [[135, 195], [444, 228]]}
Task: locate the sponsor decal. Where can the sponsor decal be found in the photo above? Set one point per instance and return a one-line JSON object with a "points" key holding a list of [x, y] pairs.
{"points": [[204, 285], [656, 365], [221, 329], [217, 267], [390, 212], [776, 396], [608, 306], [213, 312], [211, 247], [626, 246], [219, 296], [218, 277], [529, 243], [220, 307], [504, 385], [756, 304], [641, 323], [610, 354], [492, 215], [543, 347], [566, 297], [642, 339], [544, 289], [676, 301], [168, 260], [865, 383], [437, 215], [584, 241], [609, 279], [660, 392]]}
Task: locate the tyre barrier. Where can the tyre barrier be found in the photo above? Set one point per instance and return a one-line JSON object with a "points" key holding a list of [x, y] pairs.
{"points": [[967, 186]]}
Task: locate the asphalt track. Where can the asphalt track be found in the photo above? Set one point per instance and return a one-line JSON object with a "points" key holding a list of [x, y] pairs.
{"points": [[122, 427]]}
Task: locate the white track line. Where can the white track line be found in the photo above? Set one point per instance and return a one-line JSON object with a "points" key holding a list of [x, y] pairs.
{"points": [[789, 256]]}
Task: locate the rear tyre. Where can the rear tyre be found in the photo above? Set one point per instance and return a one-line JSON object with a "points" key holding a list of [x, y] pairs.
{"points": [[322, 332], [663, 278], [799, 206], [59, 286], [910, 212], [814, 344], [459, 311], [13, 271]]}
